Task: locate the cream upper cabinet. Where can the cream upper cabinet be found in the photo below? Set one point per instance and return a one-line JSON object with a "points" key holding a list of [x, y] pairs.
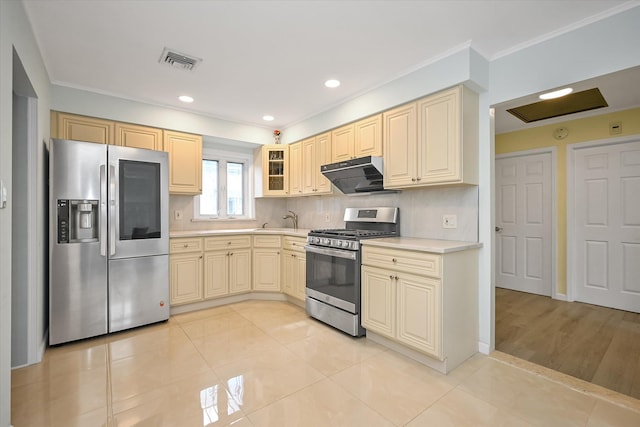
{"points": [[128, 135], [266, 263], [185, 162], [295, 169], [315, 153], [271, 164], [400, 146], [368, 137], [433, 141], [82, 128], [342, 143]]}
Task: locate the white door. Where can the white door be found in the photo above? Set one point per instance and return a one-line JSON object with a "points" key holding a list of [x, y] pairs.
{"points": [[606, 240], [524, 246]]}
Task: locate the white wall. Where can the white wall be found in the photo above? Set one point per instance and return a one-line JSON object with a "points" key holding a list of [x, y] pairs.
{"points": [[15, 32]]}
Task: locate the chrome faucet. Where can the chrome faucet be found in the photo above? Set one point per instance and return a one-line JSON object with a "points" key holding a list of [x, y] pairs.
{"points": [[294, 216]]}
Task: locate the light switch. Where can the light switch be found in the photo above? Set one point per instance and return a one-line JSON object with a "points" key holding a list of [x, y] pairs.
{"points": [[177, 214]]}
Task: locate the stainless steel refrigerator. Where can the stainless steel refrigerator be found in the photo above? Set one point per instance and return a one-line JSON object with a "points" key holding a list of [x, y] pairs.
{"points": [[109, 239]]}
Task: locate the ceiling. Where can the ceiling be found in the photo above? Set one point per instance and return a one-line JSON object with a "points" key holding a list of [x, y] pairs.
{"points": [[272, 57]]}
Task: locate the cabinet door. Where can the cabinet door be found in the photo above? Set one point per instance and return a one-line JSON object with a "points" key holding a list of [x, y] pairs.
{"points": [[400, 146], [342, 141], [240, 271], [300, 274], [368, 137], [419, 314], [322, 157], [185, 162], [378, 300], [216, 274], [82, 128], [266, 270], [295, 169], [185, 278], [439, 142], [308, 166], [128, 135], [275, 167], [288, 272]]}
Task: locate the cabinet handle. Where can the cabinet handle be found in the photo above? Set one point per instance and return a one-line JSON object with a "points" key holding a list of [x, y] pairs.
{"points": [[186, 245], [231, 254], [391, 276], [413, 180], [228, 243], [200, 256], [418, 179], [394, 260], [396, 277]]}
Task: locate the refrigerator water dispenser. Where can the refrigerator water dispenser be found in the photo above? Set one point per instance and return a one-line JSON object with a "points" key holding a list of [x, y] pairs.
{"points": [[77, 221]]}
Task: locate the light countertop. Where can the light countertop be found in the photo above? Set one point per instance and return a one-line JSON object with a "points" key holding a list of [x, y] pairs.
{"points": [[422, 245], [301, 232]]}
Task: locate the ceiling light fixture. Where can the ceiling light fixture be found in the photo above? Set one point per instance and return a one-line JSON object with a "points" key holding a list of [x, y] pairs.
{"points": [[185, 98], [332, 83], [267, 118], [556, 93]]}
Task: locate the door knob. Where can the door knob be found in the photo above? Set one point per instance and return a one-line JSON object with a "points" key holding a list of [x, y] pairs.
{"points": [[498, 229]]}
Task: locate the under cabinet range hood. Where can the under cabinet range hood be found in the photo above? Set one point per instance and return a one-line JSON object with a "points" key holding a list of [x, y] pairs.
{"points": [[356, 176]]}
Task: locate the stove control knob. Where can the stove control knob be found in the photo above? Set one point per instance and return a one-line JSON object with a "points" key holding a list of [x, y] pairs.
{"points": [[326, 241]]}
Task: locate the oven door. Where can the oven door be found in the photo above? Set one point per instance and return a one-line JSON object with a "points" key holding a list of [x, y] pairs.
{"points": [[333, 277]]}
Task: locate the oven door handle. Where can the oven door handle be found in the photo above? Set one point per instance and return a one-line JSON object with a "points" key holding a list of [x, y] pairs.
{"points": [[332, 252]]}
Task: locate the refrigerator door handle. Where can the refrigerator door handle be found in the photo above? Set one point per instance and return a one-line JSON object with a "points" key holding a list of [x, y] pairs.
{"points": [[112, 209], [103, 210]]}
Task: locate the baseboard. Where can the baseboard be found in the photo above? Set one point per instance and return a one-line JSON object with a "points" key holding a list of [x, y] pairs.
{"points": [[203, 305], [484, 348], [43, 345], [560, 297]]}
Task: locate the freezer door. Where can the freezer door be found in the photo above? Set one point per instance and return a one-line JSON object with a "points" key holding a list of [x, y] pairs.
{"points": [[138, 291], [138, 202], [77, 269]]}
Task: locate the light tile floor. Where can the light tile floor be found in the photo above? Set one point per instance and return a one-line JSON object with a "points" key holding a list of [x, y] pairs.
{"points": [[265, 363]]}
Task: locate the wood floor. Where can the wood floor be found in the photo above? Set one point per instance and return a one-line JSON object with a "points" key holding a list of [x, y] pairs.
{"points": [[596, 344]]}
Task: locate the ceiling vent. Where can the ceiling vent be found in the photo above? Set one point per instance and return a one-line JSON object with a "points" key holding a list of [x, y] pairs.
{"points": [[573, 103], [176, 59]]}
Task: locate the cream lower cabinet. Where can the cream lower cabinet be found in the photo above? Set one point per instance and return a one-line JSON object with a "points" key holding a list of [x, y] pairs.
{"points": [[266, 263], [185, 270], [294, 267], [227, 265], [425, 302]]}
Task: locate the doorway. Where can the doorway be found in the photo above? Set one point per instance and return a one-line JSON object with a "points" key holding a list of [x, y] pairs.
{"points": [[604, 226], [27, 292], [525, 221]]}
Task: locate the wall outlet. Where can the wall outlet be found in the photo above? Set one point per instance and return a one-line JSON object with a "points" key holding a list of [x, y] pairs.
{"points": [[177, 214], [449, 221], [327, 217]]}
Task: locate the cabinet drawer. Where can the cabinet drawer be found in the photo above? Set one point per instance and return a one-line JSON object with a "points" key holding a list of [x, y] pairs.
{"points": [[266, 241], [227, 242], [294, 243], [182, 245], [421, 263]]}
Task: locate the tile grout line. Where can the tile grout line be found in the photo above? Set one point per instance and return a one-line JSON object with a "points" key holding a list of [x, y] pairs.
{"points": [[109, 386]]}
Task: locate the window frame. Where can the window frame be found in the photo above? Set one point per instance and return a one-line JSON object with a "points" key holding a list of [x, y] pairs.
{"points": [[223, 157]]}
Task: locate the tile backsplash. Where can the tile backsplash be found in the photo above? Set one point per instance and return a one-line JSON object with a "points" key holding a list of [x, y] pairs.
{"points": [[421, 212]]}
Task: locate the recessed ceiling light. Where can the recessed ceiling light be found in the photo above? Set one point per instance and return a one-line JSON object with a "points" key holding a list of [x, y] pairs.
{"points": [[556, 93], [267, 118], [185, 98], [332, 83]]}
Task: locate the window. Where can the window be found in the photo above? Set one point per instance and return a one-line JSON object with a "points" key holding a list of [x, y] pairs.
{"points": [[225, 186]]}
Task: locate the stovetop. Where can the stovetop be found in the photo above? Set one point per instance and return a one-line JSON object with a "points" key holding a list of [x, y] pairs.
{"points": [[350, 234]]}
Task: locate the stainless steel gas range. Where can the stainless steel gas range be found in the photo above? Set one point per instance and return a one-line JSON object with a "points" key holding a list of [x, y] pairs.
{"points": [[333, 266]]}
